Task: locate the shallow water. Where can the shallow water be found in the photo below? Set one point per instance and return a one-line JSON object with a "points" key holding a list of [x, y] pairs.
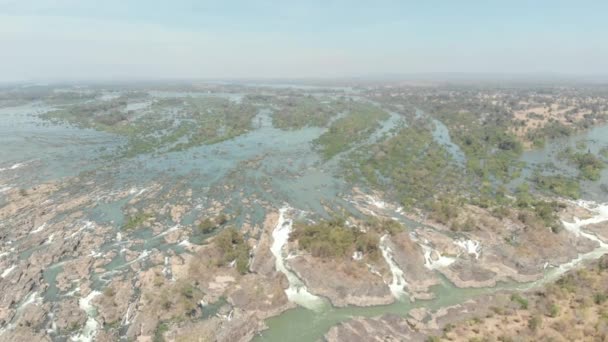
{"points": [[271, 165], [595, 139]]}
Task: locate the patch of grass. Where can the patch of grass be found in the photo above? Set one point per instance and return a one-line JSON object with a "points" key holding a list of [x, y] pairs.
{"points": [[159, 332], [553, 310], [136, 221], [599, 298], [523, 303], [535, 322]]}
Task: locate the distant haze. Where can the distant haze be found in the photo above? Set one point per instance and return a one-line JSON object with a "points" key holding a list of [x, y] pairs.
{"points": [[66, 40]]}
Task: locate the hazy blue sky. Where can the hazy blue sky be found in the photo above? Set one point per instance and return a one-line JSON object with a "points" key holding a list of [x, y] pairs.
{"points": [[150, 39]]}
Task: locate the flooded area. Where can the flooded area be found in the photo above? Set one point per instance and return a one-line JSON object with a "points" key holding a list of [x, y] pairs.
{"points": [[136, 213]]}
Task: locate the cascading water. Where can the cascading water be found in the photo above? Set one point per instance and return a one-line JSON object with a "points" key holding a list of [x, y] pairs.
{"points": [[398, 283], [297, 291], [89, 331]]}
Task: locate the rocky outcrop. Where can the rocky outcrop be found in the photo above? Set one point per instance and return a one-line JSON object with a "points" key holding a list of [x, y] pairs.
{"points": [[68, 316], [344, 282], [410, 257], [112, 305], [387, 328]]}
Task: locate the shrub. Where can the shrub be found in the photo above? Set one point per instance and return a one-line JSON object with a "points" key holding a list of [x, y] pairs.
{"points": [[600, 298], [523, 303], [332, 239], [207, 226], [534, 323], [136, 221], [443, 210], [553, 310], [161, 329], [233, 248], [187, 291], [109, 292]]}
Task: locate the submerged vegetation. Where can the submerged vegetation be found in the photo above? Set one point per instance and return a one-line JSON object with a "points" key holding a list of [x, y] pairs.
{"points": [[299, 111], [450, 156], [558, 185], [136, 221], [588, 164], [163, 125], [410, 163], [357, 125]]}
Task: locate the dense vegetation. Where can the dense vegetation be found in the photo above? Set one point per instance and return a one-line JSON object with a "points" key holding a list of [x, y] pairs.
{"points": [[588, 164], [360, 121], [491, 151], [233, 248], [295, 112], [334, 239], [209, 225], [558, 185], [410, 164], [533, 212], [166, 125], [552, 130]]}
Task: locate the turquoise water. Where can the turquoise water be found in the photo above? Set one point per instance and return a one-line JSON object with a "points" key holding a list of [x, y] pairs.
{"points": [[269, 164], [594, 139], [303, 325]]}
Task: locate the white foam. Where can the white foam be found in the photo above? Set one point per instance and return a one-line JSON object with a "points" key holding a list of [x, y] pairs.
{"points": [[296, 292], [33, 298], [140, 257], [39, 229], [89, 331], [136, 192], [87, 225], [95, 254], [53, 329], [398, 283], [8, 271], [174, 228], [125, 320], [433, 259], [167, 267], [376, 202], [13, 167], [469, 246], [185, 243], [601, 215]]}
